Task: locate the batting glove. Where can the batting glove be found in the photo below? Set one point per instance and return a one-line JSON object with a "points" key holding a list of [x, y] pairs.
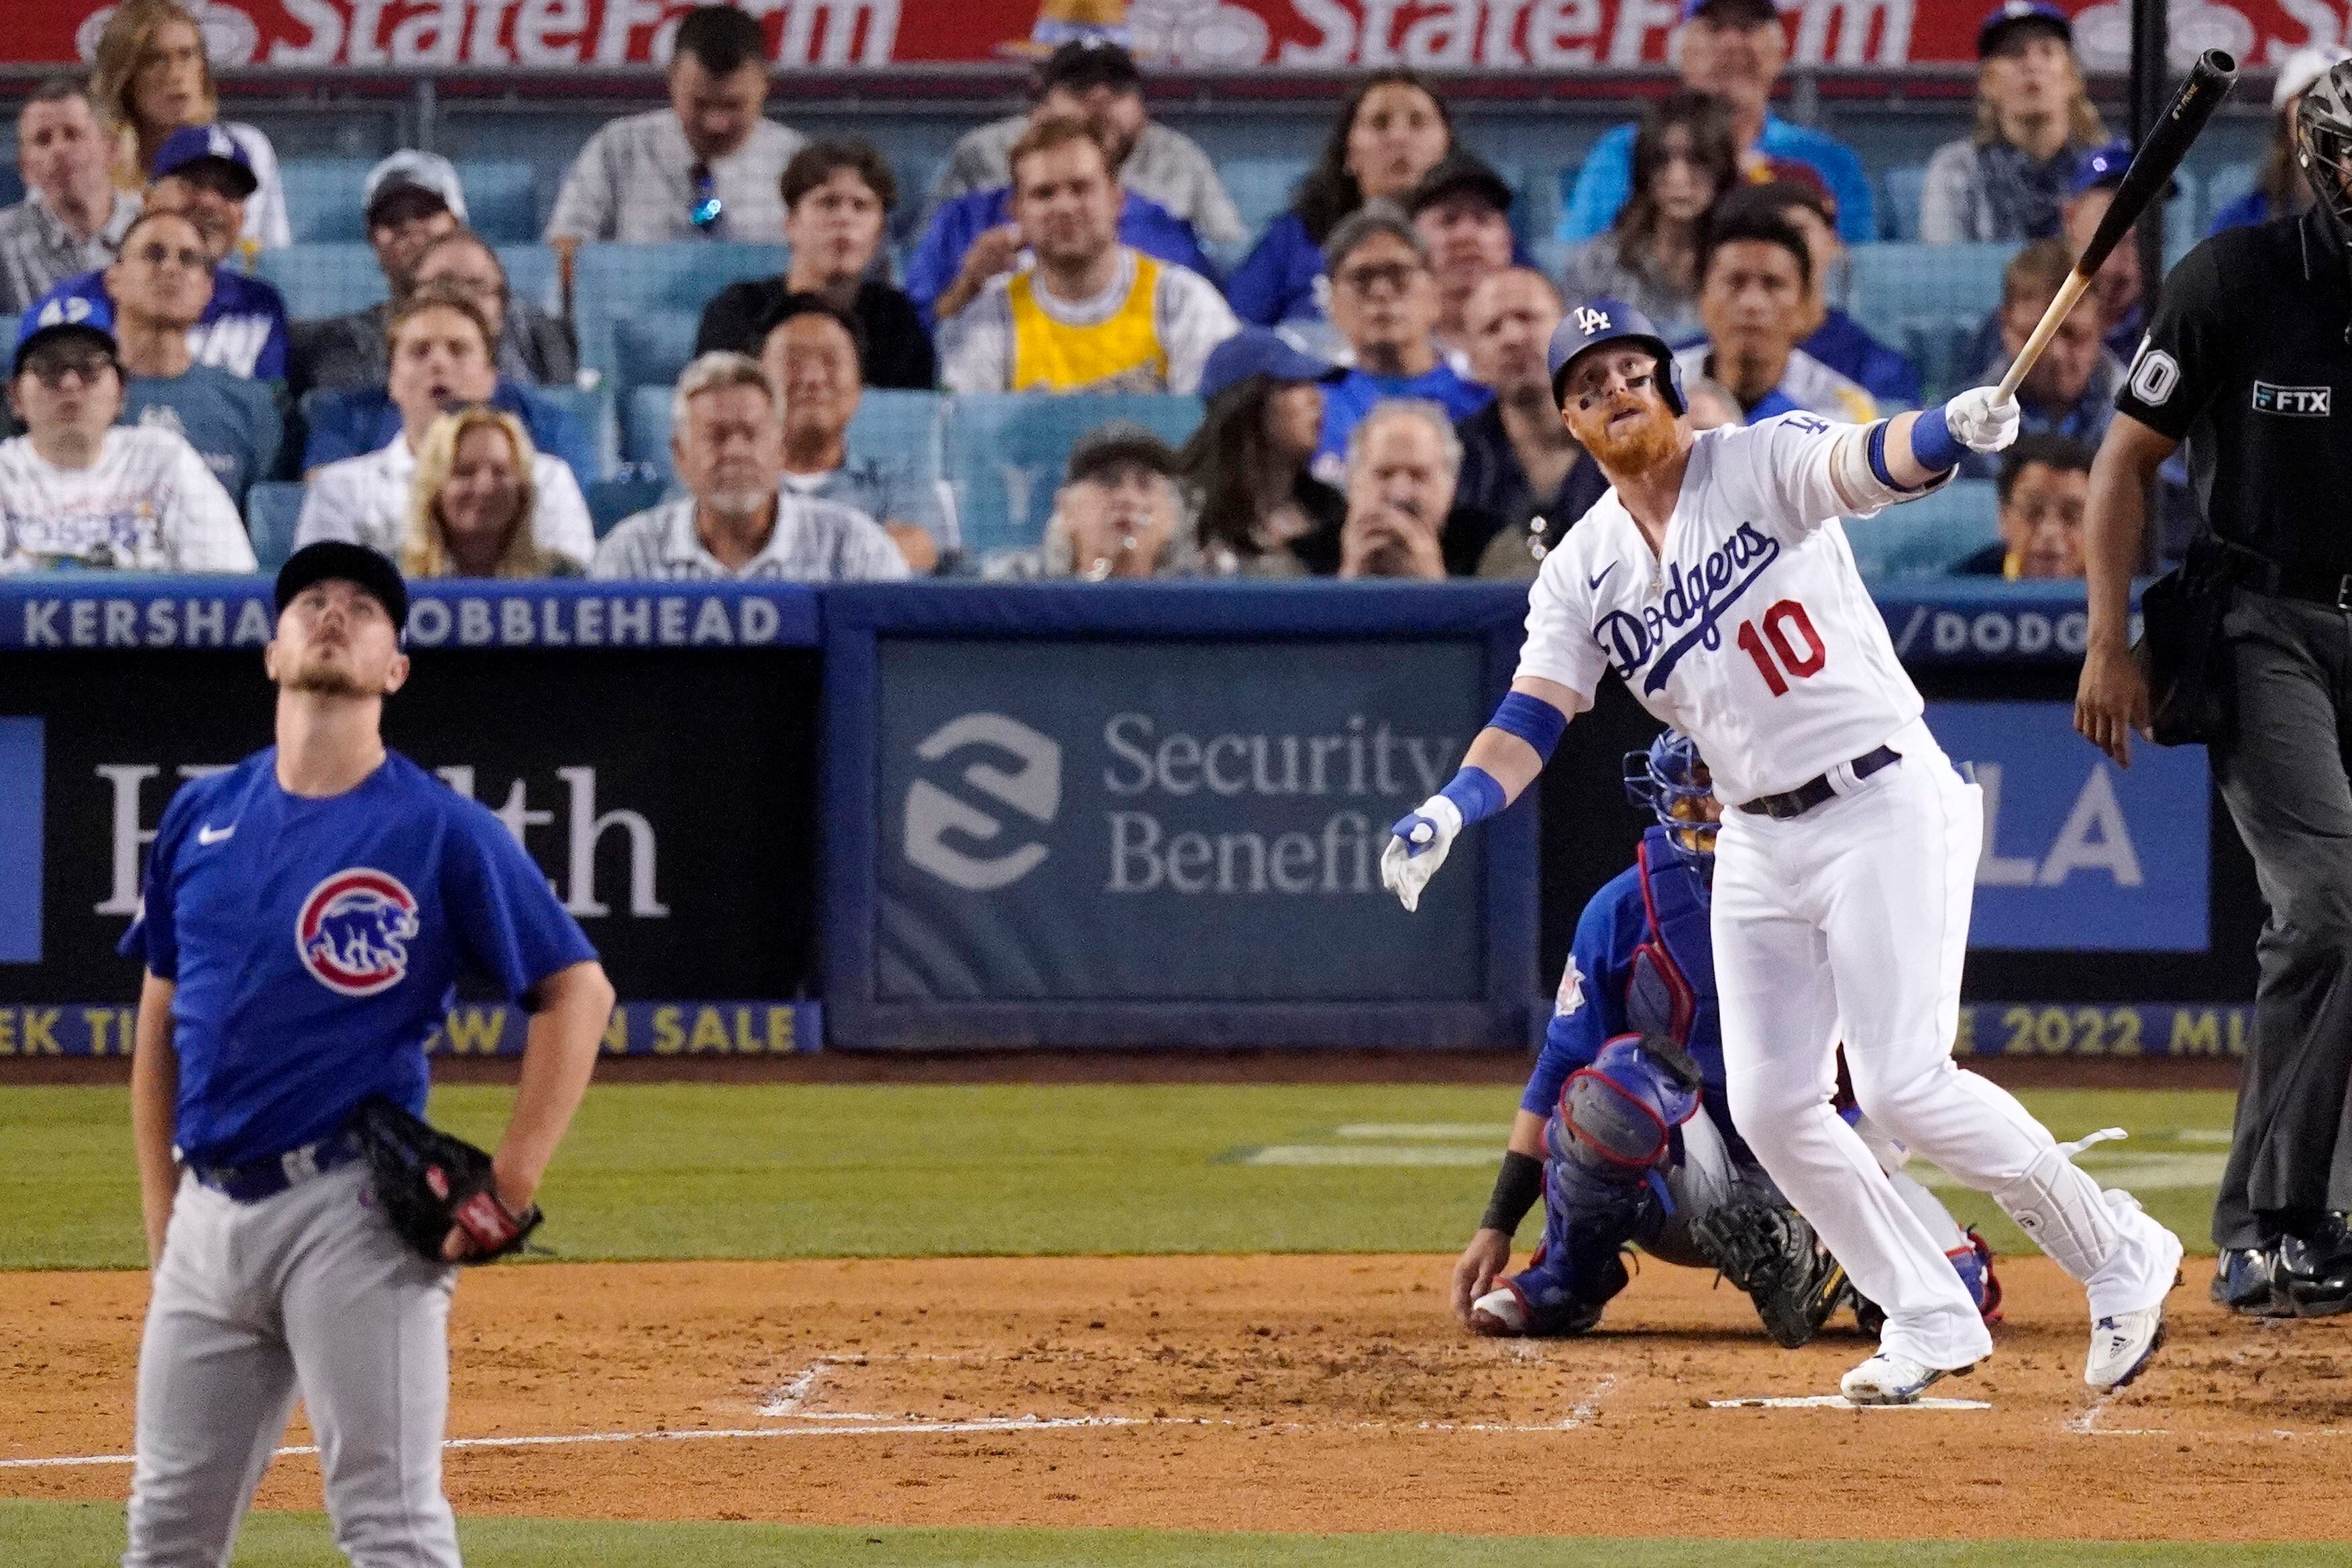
{"points": [[1419, 848], [1979, 422]]}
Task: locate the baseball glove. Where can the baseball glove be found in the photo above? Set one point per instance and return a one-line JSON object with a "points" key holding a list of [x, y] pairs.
{"points": [[1770, 1251], [428, 1184]]}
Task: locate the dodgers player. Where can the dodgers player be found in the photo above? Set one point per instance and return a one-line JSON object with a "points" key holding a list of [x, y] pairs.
{"points": [[306, 915], [1714, 577]]}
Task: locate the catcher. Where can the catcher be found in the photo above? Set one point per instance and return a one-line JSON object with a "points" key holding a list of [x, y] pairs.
{"points": [[1622, 1130]]}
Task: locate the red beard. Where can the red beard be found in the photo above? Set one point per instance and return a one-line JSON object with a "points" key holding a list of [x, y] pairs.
{"points": [[1631, 448]]}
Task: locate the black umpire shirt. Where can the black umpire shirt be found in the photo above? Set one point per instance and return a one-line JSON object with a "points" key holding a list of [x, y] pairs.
{"points": [[2247, 362]]}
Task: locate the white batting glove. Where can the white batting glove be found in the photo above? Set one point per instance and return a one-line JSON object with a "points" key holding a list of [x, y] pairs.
{"points": [[1418, 848], [1980, 423]]}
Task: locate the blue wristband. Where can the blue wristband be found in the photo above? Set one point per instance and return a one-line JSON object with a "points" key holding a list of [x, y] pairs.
{"points": [[1932, 444], [1878, 454], [1532, 719], [1475, 794]]}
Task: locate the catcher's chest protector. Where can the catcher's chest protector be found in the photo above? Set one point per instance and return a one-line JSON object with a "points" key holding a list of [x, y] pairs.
{"points": [[1670, 990]]}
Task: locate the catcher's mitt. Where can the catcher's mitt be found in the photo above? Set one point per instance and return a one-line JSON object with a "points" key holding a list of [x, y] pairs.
{"points": [[429, 1184], [1770, 1251]]}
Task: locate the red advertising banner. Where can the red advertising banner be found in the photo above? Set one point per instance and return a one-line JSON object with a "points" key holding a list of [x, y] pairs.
{"points": [[1190, 34]]}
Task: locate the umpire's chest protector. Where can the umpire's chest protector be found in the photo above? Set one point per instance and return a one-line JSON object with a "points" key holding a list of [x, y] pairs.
{"points": [[1670, 986]]}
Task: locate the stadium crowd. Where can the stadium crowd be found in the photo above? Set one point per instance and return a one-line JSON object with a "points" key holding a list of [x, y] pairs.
{"points": [[1370, 374]]}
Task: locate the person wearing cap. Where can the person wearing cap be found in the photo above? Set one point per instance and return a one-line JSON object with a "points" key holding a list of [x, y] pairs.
{"points": [[1461, 210], [1245, 472], [1098, 79], [1520, 467], [77, 489], [738, 521], [1826, 333], [1755, 273], [159, 285], [306, 916], [2118, 289], [1684, 159], [72, 217], [974, 238], [2279, 190], [1116, 515], [203, 174], [812, 353], [1730, 49], [1091, 314], [2006, 179], [152, 79], [706, 167], [1384, 304]]}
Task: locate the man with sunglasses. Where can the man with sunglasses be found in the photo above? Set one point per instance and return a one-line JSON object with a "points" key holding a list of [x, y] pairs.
{"points": [[76, 490], [160, 285]]}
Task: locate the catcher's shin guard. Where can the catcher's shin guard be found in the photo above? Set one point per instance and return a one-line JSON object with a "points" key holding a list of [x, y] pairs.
{"points": [[1769, 1251]]}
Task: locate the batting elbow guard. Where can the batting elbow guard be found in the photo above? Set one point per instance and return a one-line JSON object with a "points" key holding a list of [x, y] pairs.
{"points": [[1865, 482]]}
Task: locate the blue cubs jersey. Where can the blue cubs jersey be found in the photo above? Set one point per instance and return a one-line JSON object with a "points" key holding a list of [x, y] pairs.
{"points": [[242, 331], [316, 944]]}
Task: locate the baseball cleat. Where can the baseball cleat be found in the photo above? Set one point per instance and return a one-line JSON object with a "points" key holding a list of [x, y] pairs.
{"points": [[2245, 1279], [1498, 1313], [2123, 1344], [2313, 1275], [1888, 1378]]}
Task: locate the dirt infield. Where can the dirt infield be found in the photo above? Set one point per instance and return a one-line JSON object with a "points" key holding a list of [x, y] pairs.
{"points": [[1262, 1393]]}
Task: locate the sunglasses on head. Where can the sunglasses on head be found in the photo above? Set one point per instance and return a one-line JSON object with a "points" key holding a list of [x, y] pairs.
{"points": [[704, 210]]}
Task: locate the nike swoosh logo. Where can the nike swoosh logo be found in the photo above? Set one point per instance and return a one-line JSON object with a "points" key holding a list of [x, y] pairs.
{"points": [[1596, 582], [213, 835]]}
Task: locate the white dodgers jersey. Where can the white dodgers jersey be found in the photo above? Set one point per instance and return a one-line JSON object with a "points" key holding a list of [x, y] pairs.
{"points": [[1752, 633]]}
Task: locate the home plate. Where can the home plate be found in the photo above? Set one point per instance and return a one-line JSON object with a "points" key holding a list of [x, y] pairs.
{"points": [[1840, 1402]]}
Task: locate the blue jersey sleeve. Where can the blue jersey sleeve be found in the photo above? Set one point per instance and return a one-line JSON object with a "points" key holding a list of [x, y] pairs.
{"points": [[154, 936], [939, 257], [502, 910], [1603, 186], [1592, 1005]]}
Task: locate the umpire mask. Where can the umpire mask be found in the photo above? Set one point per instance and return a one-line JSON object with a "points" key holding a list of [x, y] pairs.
{"points": [[2323, 144]]}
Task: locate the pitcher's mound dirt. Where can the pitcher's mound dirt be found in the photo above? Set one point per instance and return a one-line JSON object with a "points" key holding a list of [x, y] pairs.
{"points": [[1289, 1393]]}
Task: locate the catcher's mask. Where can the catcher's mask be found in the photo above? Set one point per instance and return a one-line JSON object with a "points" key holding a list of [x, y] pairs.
{"points": [[2322, 143], [1671, 780]]}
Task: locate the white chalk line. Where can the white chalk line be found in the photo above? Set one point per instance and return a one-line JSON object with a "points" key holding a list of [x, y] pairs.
{"points": [[1586, 1408], [1839, 1402]]}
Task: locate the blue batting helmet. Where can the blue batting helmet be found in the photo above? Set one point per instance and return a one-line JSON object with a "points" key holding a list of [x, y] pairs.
{"points": [[1669, 780], [1599, 322]]}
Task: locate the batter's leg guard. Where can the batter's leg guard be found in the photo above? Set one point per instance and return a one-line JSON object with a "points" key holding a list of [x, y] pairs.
{"points": [[2063, 1210]]}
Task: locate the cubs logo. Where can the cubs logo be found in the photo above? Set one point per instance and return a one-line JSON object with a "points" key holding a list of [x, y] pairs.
{"points": [[353, 932]]}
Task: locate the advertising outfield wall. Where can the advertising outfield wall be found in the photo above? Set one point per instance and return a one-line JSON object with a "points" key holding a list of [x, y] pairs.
{"points": [[1089, 815]]}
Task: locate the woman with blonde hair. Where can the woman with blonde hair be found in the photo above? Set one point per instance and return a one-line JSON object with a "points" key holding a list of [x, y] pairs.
{"points": [[469, 512], [150, 77], [2034, 123]]}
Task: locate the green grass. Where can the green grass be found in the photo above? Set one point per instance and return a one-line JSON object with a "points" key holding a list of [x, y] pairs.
{"points": [[54, 1535], [800, 1170]]}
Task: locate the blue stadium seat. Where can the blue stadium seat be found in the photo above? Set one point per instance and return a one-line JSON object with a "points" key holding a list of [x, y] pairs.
{"points": [[2184, 217], [594, 410], [12, 185], [644, 430], [322, 198], [2225, 185], [1895, 284], [615, 283], [8, 335], [651, 350], [271, 510], [336, 278], [1261, 188], [1928, 536], [502, 200], [1898, 202], [610, 500], [1005, 453]]}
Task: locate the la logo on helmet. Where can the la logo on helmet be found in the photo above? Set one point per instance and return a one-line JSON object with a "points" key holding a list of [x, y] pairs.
{"points": [[1589, 320]]}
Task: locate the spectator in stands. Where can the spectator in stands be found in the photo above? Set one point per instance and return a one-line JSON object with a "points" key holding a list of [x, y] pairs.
{"points": [[2043, 489], [1711, 406], [77, 490], [2034, 122], [2117, 289], [1092, 315], [976, 238], [72, 217], [836, 195], [708, 166], [1403, 460], [1384, 303], [2279, 189], [414, 203], [202, 174], [363, 419], [471, 503], [1828, 333], [2071, 391], [1116, 514], [160, 285], [1245, 472], [151, 80], [737, 520], [1754, 276], [1461, 210], [1730, 49], [439, 345], [1391, 131], [1684, 159], [1520, 467], [811, 356], [1093, 78]]}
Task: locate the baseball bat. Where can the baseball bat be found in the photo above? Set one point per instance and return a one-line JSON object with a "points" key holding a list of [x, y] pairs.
{"points": [[2152, 166]]}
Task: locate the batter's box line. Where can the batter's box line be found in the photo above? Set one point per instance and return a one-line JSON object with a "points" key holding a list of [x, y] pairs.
{"points": [[1837, 1402]]}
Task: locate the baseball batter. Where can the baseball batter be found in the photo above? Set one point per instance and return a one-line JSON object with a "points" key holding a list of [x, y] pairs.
{"points": [[306, 915], [1715, 579]]}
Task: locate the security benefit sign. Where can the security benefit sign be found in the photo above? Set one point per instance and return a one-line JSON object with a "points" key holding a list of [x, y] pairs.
{"points": [[1168, 821], [2079, 854]]}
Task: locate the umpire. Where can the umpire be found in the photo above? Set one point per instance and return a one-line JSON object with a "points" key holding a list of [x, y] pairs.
{"points": [[2250, 349]]}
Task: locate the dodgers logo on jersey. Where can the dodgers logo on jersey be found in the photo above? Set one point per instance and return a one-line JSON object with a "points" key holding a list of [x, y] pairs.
{"points": [[1701, 594], [355, 930]]}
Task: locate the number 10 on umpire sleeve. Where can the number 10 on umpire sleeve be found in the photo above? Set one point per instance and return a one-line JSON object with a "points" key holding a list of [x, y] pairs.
{"points": [[1795, 646]]}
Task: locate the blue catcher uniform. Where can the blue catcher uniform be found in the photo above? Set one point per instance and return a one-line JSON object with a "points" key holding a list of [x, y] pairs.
{"points": [[315, 945]]}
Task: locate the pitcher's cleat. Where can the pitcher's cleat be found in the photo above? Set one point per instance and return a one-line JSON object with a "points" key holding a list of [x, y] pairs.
{"points": [[1888, 1378]]}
